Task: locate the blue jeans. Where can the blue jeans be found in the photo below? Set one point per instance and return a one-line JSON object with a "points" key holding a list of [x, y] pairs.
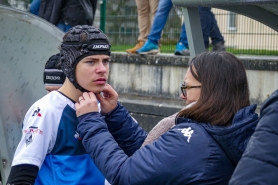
{"points": [[64, 27], [35, 6], [209, 28], [160, 18]]}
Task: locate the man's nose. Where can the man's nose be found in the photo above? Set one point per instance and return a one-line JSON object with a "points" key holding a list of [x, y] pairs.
{"points": [[101, 68]]}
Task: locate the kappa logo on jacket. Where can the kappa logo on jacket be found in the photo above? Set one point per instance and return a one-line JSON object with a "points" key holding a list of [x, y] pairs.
{"points": [[187, 132]]}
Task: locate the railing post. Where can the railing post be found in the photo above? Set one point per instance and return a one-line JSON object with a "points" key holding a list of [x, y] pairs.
{"points": [[102, 14], [193, 31]]}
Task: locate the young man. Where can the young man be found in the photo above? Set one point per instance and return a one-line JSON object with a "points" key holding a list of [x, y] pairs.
{"points": [[50, 151]]}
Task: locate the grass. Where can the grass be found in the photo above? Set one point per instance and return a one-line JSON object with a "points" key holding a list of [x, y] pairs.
{"points": [[171, 48]]}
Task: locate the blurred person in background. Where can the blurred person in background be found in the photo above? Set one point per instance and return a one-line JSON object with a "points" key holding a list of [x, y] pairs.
{"points": [[208, 24], [210, 30], [146, 10], [35, 7], [65, 13], [53, 77]]}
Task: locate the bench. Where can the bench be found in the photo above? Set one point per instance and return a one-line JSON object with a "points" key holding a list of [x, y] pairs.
{"points": [[264, 11]]}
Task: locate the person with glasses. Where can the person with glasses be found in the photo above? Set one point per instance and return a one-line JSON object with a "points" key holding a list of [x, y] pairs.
{"points": [[204, 144]]}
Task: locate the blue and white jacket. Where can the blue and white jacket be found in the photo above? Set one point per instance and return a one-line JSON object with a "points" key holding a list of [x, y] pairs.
{"points": [[50, 141], [189, 153]]}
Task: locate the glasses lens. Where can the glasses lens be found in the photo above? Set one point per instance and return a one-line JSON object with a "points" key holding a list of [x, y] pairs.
{"points": [[184, 92], [183, 89]]}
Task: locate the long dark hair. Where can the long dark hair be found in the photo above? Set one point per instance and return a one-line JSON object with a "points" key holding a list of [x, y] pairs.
{"points": [[224, 88]]}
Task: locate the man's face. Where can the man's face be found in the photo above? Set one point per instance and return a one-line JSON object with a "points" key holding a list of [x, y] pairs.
{"points": [[92, 72]]}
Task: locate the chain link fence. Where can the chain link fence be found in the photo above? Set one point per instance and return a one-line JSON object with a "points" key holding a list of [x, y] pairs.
{"points": [[122, 26], [242, 35]]}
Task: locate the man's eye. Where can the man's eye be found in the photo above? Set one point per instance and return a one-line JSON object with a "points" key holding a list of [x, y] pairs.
{"points": [[90, 62], [106, 61]]}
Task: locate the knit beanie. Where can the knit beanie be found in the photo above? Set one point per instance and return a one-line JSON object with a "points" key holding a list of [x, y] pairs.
{"points": [[53, 75], [78, 43]]}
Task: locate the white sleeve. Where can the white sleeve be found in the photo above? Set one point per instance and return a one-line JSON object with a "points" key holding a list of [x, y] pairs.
{"points": [[38, 135], [106, 182]]}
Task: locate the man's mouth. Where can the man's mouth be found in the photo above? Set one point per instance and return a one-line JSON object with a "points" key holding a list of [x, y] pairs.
{"points": [[100, 81]]}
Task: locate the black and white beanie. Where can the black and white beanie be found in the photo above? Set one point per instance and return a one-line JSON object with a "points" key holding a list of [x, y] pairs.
{"points": [[53, 75]]}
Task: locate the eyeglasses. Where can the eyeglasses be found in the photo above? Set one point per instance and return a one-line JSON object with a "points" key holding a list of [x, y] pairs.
{"points": [[184, 87]]}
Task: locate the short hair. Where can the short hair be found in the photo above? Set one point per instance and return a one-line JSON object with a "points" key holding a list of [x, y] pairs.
{"points": [[224, 88]]}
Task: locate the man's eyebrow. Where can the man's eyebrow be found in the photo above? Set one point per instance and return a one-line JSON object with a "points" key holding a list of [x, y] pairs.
{"points": [[92, 58]]}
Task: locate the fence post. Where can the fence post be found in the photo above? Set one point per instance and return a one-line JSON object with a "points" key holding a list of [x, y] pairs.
{"points": [[102, 14]]}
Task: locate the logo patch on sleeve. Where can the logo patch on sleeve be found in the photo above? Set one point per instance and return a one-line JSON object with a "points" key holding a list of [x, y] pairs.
{"points": [[187, 132], [37, 112], [76, 136], [30, 134]]}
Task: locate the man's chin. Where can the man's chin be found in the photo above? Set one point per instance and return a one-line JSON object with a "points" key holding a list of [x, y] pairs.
{"points": [[98, 89]]}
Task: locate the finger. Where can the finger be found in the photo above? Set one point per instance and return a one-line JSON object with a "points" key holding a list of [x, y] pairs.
{"points": [[77, 105], [106, 94], [109, 92], [106, 87], [92, 96], [80, 98], [99, 97], [86, 96]]}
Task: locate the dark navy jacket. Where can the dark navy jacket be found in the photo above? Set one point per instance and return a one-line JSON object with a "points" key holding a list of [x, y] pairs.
{"points": [[190, 153], [67, 11], [259, 163]]}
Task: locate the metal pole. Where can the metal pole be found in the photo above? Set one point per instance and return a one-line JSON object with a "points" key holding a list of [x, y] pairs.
{"points": [[193, 31], [102, 14]]}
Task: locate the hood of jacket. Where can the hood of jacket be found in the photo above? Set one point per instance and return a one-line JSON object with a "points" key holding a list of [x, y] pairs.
{"points": [[234, 138]]}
